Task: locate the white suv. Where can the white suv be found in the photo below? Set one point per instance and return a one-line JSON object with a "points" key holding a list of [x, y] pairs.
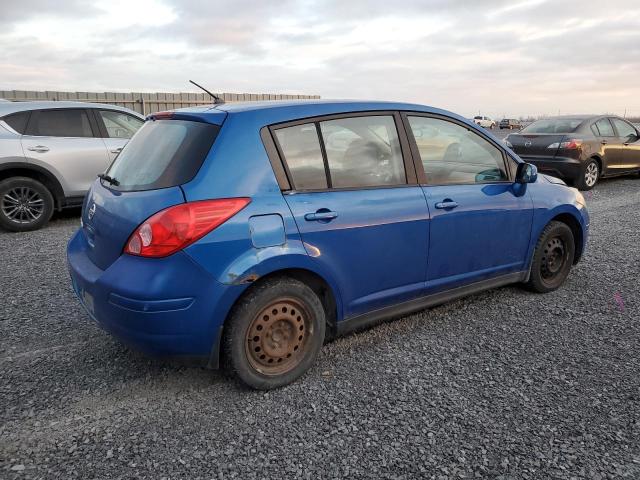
{"points": [[50, 152], [485, 122]]}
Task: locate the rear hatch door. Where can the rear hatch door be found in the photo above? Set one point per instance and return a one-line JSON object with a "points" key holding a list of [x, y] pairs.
{"points": [[145, 178]]}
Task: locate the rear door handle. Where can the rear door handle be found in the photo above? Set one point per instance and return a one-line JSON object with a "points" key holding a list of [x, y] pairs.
{"points": [[117, 150], [446, 204], [604, 142], [39, 149], [320, 215]]}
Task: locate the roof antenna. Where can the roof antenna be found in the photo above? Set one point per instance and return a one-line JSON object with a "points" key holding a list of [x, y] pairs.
{"points": [[216, 98]]}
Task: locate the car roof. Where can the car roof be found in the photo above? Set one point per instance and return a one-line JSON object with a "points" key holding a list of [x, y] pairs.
{"points": [[13, 107], [575, 117], [283, 110]]}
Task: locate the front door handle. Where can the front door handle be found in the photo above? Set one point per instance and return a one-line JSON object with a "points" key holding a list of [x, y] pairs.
{"points": [[117, 150], [321, 215], [447, 204], [604, 142], [39, 149]]}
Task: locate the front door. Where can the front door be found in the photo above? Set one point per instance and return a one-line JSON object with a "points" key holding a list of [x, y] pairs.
{"points": [[117, 128], [357, 213], [480, 224], [628, 134]]}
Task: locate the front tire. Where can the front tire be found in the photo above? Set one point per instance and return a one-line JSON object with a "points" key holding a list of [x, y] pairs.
{"points": [[274, 334], [589, 175], [25, 204], [552, 258]]}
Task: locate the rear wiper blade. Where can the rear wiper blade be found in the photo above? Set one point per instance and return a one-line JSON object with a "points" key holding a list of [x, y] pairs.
{"points": [[107, 178]]}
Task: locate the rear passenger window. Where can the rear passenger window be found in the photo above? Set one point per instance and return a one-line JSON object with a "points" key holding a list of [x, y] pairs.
{"points": [[60, 123], [453, 154], [363, 152], [605, 128], [17, 121], [301, 149]]}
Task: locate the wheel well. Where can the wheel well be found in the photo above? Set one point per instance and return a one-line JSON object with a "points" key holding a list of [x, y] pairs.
{"points": [[317, 284], [42, 176], [576, 229], [599, 160], [309, 278]]}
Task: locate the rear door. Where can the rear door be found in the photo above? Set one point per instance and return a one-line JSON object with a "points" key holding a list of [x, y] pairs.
{"points": [[631, 144], [612, 146], [67, 142], [116, 128], [357, 205], [480, 226]]}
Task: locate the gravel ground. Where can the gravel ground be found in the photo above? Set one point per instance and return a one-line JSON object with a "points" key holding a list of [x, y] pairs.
{"points": [[505, 384]]}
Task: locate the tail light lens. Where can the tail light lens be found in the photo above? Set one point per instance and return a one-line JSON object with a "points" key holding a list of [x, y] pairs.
{"points": [[571, 144], [176, 227]]}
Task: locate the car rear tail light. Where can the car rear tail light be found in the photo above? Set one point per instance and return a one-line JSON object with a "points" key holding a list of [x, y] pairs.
{"points": [[571, 144], [162, 115], [176, 227]]}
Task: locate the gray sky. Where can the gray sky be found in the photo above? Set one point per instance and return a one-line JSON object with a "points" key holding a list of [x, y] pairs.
{"points": [[498, 57]]}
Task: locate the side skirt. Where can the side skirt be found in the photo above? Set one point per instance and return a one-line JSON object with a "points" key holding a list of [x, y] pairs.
{"points": [[368, 319]]}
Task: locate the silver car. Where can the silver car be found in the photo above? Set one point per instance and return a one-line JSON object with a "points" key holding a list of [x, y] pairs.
{"points": [[50, 152]]}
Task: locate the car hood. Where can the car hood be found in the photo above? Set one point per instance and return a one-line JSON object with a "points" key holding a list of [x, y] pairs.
{"points": [[551, 179]]}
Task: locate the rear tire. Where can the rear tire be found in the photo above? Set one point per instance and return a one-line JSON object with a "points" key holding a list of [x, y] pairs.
{"points": [[552, 258], [589, 175], [25, 204], [274, 334]]}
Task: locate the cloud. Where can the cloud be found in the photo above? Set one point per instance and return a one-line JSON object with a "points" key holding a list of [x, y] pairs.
{"points": [[498, 57]]}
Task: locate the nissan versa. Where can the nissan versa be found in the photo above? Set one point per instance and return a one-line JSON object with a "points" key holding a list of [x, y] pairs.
{"points": [[247, 234]]}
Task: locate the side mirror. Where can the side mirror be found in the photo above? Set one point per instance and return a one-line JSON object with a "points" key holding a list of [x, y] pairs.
{"points": [[526, 173]]}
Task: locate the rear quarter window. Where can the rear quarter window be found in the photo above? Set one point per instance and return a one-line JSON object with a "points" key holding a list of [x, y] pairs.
{"points": [[17, 121], [162, 154]]}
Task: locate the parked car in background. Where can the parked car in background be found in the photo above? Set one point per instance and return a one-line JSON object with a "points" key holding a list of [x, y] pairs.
{"points": [[510, 123], [484, 122], [579, 149], [247, 233], [50, 152]]}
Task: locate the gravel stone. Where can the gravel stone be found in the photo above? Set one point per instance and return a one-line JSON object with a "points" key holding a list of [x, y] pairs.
{"points": [[505, 384]]}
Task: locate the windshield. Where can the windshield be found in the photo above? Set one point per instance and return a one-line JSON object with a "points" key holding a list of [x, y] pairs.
{"points": [[163, 153], [553, 125]]}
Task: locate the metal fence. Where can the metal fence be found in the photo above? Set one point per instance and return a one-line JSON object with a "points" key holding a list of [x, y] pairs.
{"points": [[145, 102]]}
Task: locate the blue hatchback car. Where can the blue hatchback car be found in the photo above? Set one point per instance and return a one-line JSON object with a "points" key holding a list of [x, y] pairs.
{"points": [[249, 233]]}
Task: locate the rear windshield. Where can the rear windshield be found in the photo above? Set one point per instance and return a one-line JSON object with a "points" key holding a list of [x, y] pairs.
{"points": [[553, 125], [163, 153]]}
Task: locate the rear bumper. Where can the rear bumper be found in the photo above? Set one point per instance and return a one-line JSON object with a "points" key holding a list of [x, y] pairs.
{"points": [[165, 307], [561, 167]]}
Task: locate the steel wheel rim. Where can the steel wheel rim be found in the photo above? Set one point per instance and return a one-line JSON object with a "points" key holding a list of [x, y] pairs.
{"points": [[278, 336], [22, 205], [591, 175], [553, 258]]}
